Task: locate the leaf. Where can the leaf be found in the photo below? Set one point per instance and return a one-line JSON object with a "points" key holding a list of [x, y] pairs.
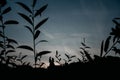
{"points": [[26, 18], [107, 42], [114, 38], [29, 29], [24, 6], [36, 34], [40, 23], [25, 47], [72, 56], [23, 57], [83, 44], [12, 41], [102, 46], [67, 56], [41, 41], [39, 11], [10, 46], [9, 51], [34, 3], [11, 22], [43, 53], [6, 10], [116, 22], [116, 18]]}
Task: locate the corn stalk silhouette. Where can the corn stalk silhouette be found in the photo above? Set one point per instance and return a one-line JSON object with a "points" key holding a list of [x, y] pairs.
{"points": [[6, 43], [34, 29]]}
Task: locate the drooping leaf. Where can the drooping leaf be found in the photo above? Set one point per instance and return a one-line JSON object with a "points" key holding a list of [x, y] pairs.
{"points": [[25, 47], [72, 56], [41, 41], [36, 34], [1, 35], [12, 41], [24, 6], [26, 18], [10, 46], [43, 53], [34, 3], [11, 22], [107, 42], [39, 11], [40, 23], [6, 10], [29, 29], [102, 46], [9, 51]]}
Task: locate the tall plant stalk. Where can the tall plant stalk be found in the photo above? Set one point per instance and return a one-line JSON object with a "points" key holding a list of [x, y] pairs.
{"points": [[34, 29]]}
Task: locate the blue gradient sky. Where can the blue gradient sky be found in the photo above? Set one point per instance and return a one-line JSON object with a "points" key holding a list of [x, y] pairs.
{"points": [[69, 22]]}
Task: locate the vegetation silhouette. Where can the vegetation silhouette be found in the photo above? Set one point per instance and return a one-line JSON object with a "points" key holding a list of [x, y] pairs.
{"points": [[66, 70]]}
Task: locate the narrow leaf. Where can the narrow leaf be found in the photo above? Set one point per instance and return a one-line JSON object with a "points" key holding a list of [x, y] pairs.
{"points": [[83, 44], [116, 22], [11, 22], [34, 3], [25, 47], [29, 29], [9, 51], [23, 57], [41, 41], [10, 46], [43, 53], [107, 42], [24, 6], [40, 23], [12, 41], [36, 34], [39, 11], [6, 10], [26, 18], [102, 46]]}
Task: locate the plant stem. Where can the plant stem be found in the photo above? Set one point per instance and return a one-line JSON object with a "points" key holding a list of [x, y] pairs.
{"points": [[34, 48]]}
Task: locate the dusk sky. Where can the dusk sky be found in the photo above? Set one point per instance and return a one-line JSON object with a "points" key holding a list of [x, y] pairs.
{"points": [[69, 22]]}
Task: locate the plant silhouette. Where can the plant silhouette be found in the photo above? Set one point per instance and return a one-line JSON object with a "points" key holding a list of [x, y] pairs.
{"points": [[6, 43], [34, 29]]}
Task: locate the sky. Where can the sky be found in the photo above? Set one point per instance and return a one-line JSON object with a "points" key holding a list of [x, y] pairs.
{"points": [[69, 22]]}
